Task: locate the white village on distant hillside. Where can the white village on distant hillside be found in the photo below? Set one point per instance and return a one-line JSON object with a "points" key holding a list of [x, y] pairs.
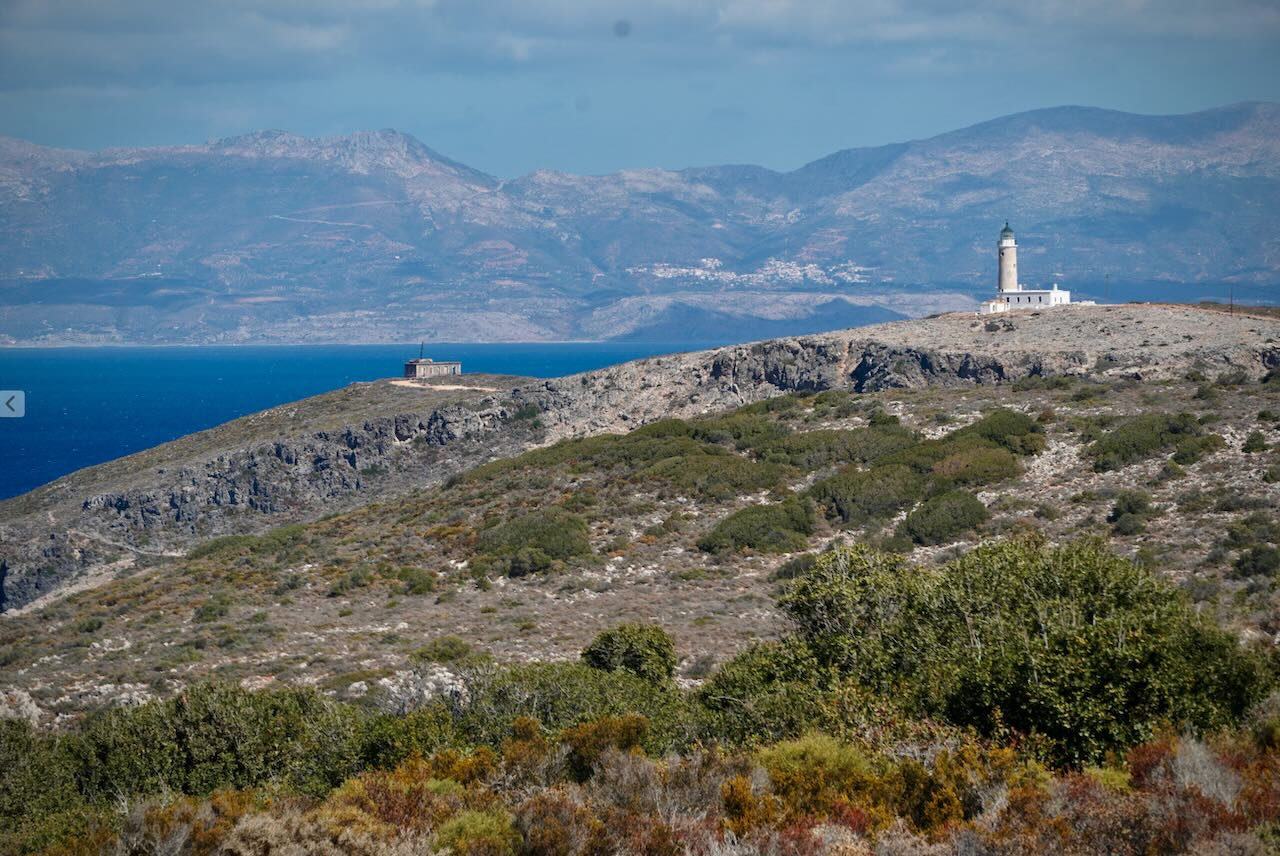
{"points": [[1011, 294]]}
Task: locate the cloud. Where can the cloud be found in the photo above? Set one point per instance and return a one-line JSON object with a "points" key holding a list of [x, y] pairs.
{"points": [[136, 42]]}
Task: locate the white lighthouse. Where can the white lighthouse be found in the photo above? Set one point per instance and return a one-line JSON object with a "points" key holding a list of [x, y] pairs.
{"points": [[1011, 294], [1008, 250]]}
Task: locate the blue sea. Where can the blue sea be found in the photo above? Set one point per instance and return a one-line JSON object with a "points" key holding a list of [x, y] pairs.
{"points": [[89, 405]]}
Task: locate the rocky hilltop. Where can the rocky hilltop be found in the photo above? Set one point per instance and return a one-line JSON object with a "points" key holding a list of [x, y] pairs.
{"points": [[272, 237], [381, 440]]}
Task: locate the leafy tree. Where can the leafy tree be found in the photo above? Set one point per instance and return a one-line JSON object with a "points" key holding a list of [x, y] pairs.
{"points": [[644, 650], [1072, 643]]}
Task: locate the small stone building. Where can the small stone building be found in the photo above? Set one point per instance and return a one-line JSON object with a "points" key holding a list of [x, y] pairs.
{"points": [[426, 367]]}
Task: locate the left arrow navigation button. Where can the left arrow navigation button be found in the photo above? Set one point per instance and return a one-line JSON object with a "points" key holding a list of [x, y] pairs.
{"points": [[13, 403]]}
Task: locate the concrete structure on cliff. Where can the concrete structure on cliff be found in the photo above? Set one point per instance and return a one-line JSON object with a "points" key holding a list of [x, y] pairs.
{"points": [[427, 367], [1011, 294]]}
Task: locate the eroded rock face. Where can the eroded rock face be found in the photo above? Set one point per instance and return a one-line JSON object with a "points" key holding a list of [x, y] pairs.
{"points": [[301, 477]]}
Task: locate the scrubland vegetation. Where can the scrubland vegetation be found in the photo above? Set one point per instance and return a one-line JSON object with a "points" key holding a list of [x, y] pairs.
{"points": [[1026, 621], [1019, 697]]}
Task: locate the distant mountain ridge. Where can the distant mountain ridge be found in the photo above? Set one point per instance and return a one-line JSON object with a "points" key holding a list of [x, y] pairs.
{"points": [[374, 236]]}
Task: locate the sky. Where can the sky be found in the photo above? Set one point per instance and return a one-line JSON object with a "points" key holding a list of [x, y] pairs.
{"points": [[593, 86]]}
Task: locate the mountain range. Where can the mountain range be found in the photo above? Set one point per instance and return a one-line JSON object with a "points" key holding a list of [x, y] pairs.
{"points": [[273, 237]]}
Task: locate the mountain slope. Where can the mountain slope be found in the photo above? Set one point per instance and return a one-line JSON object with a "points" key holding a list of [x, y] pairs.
{"points": [[374, 236]]}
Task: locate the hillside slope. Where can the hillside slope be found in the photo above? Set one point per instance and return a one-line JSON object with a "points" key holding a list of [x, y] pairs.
{"points": [[677, 490], [379, 441]]}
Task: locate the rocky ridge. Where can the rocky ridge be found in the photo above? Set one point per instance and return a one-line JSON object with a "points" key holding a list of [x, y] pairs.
{"points": [[163, 501]]}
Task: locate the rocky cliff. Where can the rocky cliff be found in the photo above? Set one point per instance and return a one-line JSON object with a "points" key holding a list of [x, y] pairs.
{"points": [[276, 467]]}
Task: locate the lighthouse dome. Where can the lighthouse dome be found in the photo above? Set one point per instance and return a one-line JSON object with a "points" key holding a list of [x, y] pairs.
{"points": [[1006, 232]]}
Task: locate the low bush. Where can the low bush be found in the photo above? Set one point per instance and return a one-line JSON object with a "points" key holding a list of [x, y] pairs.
{"points": [[811, 450], [478, 833], [534, 541], [1255, 442], [1260, 560], [942, 518], [1130, 513], [1190, 450], [443, 649], [976, 466], [644, 650], [1141, 437], [715, 477], [769, 692], [859, 497], [780, 528], [814, 774], [561, 695]]}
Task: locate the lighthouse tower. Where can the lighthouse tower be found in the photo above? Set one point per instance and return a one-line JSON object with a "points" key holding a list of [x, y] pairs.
{"points": [[1008, 249], [1011, 295]]}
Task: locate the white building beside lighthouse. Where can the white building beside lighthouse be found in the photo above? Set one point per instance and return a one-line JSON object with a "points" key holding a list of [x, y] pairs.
{"points": [[1011, 294]]}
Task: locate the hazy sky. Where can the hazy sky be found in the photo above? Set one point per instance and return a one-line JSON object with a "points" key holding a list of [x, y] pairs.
{"points": [[508, 86]]}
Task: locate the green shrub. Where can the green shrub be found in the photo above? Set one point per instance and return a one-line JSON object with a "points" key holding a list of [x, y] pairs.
{"points": [[217, 606], [1260, 560], [1071, 643], [715, 477], [560, 695], [533, 542], [478, 833], [1130, 513], [1190, 450], [388, 740], [1255, 442], [769, 692], [813, 449], [942, 518], [858, 497], [281, 543], [780, 528], [816, 773], [214, 736], [644, 650], [1141, 437], [745, 430], [976, 466], [40, 803], [1009, 429], [350, 581], [443, 649]]}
